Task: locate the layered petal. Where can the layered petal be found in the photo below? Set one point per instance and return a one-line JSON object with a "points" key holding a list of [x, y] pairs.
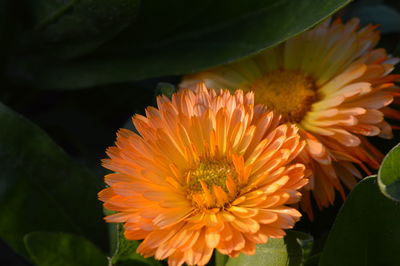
{"points": [[335, 86], [207, 170]]}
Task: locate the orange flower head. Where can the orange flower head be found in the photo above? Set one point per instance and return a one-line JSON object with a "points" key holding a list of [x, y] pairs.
{"points": [[208, 170], [331, 83]]}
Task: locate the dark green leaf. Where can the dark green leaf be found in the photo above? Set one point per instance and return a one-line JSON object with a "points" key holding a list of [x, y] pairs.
{"points": [[49, 249], [291, 250], [224, 32], [74, 27], [41, 188], [389, 174], [366, 231]]}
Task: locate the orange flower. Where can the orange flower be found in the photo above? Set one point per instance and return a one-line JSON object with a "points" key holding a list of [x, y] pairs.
{"points": [[209, 170], [335, 87]]}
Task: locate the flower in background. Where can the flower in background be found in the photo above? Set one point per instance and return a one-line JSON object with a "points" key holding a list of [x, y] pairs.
{"points": [[332, 84], [208, 170]]}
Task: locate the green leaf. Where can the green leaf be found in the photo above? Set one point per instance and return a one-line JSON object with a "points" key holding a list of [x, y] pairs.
{"points": [[292, 250], [49, 249], [41, 188], [220, 259], [225, 31], [75, 27], [366, 230], [389, 174], [124, 253]]}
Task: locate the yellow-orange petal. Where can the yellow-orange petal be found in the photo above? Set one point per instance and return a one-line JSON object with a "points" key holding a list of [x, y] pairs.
{"points": [[335, 86], [188, 183]]}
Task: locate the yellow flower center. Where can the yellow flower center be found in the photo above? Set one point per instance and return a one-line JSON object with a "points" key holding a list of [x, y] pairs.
{"points": [[211, 172], [206, 183], [290, 93]]}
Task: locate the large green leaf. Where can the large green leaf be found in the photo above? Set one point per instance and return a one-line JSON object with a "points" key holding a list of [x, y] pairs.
{"points": [[389, 174], [74, 27], [41, 188], [366, 231], [292, 250], [49, 249], [225, 31]]}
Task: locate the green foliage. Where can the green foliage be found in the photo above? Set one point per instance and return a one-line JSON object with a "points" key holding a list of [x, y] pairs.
{"points": [[49, 249], [182, 40], [124, 52], [72, 28], [42, 188], [366, 231], [124, 253], [313, 260], [292, 250], [389, 174], [220, 259]]}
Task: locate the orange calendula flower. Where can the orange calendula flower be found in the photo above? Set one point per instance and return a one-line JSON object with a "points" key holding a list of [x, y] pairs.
{"points": [[335, 87], [208, 170]]}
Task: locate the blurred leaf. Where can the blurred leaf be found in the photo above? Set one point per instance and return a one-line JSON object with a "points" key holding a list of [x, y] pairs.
{"points": [[9, 23], [389, 174], [41, 188], [4, 6], [223, 32], [165, 88], [291, 250], [388, 18], [74, 27], [124, 253], [313, 260], [366, 231], [304, 241], [220, 259], [49, 249]]}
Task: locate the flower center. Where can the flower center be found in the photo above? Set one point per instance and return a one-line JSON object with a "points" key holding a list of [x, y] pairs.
{"points": [[288, 92], [206, 183], [211, 173]]}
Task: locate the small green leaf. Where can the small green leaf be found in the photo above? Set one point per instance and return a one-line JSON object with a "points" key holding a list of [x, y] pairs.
{"points": [[41, 188], [389, 174], [366, 230], [291, 250], [49, 249]]}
